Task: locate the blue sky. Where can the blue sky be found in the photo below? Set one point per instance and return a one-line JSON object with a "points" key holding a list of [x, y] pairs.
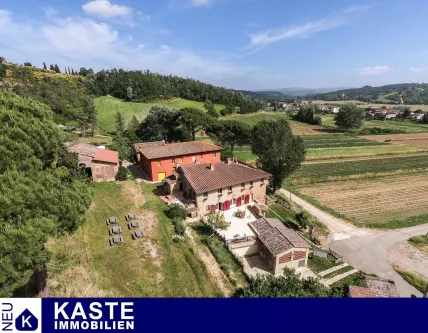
{"points": [[242, 44]]}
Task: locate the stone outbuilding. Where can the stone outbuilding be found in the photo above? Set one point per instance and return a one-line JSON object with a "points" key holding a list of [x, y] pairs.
{"points": [[101, 164]]}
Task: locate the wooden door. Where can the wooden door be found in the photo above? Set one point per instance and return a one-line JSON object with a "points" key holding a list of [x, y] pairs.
{"points": [[238, 202], [247, 199]]}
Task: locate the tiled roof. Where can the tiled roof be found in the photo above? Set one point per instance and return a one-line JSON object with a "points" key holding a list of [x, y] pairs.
{"points": [[82, 148], [276, 237], [382, 287], [139, 145], [361, 292], [203, 179], [177, 149], [105, 155]]}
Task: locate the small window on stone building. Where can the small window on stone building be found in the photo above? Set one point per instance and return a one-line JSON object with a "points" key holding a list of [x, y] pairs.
{"points": [[206, 195], [230, 188], [220, 191], [243, 185], [159, 163]]}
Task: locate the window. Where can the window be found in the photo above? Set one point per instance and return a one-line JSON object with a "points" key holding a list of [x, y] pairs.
{"points": [[206, 195], [181, 160], [173, 161], [215, 155], [208, 208], [159, 163], [230, 188], [220, 191], [251, 183], [233, 201], [243, 185], [243, 197]]}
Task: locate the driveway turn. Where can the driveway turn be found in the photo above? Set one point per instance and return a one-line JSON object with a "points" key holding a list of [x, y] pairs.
{"points": [[365, 249]]}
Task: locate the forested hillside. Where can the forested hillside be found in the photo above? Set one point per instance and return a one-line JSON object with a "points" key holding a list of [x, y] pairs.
{"points": [[412, 93], [43, 193], [145, 86]]}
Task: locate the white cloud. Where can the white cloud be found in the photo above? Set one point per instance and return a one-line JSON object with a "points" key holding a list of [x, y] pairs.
{"points": [[375, 70], [304, 30], [105, 8], [77, 42], [416, 69], [50, 11], [307, 29], [200, 2]]}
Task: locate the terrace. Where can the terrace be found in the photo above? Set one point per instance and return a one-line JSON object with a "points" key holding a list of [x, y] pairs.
{"points": [[238, 230]]}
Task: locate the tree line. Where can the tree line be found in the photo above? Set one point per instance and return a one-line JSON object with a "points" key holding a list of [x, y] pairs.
{"points": [[43, 191]]}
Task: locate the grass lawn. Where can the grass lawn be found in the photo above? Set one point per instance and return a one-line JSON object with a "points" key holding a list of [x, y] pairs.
{"points": [[225, 259], [341, 287], [318, 264], [407, 126], [254, 118], [416, 281], [85, 265], [108, 106]]}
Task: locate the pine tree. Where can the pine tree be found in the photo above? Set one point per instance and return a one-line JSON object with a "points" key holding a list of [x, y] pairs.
{"points": [[56, 68], [44, 66]]}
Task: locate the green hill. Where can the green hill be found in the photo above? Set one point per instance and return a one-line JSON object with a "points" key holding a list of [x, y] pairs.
{"points": [[403, 93], [108, 106]]}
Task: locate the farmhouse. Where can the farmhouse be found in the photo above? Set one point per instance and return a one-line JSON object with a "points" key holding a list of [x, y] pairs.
{"points": [[101, 164], [219, 186], [159, 159], [279, 246]]}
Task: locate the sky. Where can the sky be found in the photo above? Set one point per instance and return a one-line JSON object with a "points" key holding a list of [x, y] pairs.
{"points": [[240, 44]]}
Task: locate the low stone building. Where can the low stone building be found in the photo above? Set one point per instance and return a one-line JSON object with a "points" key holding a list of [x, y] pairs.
{"points": [[375, 288], [100, 164], [279, 246]]}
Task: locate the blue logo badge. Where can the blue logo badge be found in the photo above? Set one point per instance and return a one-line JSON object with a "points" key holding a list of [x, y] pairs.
{"points": [[26, 321]]}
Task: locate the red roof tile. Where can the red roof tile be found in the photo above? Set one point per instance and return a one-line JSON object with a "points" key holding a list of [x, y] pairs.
{"points": [[105, 155], [157, 151], [203, 179], [361, 292], [276, 236]]}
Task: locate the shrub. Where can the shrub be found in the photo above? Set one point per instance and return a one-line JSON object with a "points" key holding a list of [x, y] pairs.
{"points": [[122, 174], [176, 211], [179, 227], [225, 154], [302, 219]]}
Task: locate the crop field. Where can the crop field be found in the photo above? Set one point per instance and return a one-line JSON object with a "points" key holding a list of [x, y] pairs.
{"points": [[374, 105], [338, 140], [108, 106], [382, 202], [331, 170], [405, 126], [360, 152]]}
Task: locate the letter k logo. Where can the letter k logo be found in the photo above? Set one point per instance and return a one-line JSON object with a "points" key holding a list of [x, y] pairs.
{"points": [[26, 321]]}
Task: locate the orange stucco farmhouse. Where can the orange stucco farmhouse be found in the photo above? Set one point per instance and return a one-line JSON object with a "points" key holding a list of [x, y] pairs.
{"points": [[159, 159]]}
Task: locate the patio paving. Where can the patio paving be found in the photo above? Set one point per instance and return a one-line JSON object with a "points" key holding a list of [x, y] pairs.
{"points": [[238, 226], [254, 266]]}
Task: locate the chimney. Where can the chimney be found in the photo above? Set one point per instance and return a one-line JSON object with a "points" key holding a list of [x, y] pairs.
{"points": [[229, 161], [211, 166]]}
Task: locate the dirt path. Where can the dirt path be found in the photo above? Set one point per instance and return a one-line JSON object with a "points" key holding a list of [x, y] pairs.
{"points": [[409, 258], [211, 265]]}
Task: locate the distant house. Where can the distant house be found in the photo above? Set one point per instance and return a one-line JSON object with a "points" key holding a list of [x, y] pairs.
{"points": [[159, 159], [101, 164], [279, 246], [219, 186], [335, 109], [375, 288]]}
